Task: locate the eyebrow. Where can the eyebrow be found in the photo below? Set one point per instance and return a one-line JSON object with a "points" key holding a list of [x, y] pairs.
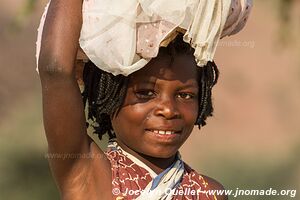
{"points": [[143, 83], [152, 82], [188, 86], [183, 86]]}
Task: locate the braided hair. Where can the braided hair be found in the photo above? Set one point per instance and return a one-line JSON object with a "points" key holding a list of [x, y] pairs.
{"points": [[104, 93]]}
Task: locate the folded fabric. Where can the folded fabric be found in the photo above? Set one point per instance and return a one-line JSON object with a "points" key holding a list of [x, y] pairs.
{"points": [[169, 179], [122, 37]]}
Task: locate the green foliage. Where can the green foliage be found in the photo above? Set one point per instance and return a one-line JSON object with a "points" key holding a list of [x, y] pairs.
{"points": [[24, 170], [22, 15], [257, 173], [285, 8]]}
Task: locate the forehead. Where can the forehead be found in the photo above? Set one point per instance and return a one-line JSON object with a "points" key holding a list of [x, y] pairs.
{"points": [[182, 68]]}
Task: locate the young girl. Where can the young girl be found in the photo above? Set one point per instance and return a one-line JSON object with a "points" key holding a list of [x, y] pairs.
{"points": [[150, 91]]}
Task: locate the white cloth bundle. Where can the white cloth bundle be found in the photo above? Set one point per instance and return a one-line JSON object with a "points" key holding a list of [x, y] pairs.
{"points": [[121, 37]]}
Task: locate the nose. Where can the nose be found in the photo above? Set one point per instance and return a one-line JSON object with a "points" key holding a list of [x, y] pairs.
{"points": [[166, 107]]}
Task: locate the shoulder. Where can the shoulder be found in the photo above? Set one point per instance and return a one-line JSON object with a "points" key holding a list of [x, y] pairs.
{"points": [[212, 183], [215, 185]]}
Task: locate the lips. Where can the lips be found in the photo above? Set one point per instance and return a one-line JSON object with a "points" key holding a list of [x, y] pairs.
{"points": [[164, 131]]}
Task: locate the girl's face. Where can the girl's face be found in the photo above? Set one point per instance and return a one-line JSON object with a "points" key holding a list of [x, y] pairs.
{"points": [[160, 107]]}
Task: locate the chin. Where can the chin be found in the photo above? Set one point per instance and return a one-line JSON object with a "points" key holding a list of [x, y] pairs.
{"points": [[162, 153]]}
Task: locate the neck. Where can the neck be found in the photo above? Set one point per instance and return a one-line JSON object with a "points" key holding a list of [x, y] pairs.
{"points": [[158, 165]]}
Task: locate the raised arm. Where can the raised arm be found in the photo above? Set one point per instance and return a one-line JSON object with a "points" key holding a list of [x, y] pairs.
{"points": [[63, 111]]}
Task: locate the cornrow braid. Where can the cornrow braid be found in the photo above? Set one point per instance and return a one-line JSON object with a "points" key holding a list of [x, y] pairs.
{"points": [[209, 75], [105, 92]]}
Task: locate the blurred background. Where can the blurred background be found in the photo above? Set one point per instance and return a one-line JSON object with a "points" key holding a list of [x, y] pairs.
{"points": [[252, 142]]}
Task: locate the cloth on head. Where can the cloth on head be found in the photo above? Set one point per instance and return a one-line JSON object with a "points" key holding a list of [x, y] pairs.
{"points": [[122, 37]]}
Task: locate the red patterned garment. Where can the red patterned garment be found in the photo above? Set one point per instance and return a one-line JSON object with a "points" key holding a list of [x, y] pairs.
{"points": [[129, 179]]}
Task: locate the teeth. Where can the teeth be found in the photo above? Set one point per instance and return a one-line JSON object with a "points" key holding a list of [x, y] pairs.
{"points": [[163, 132], [168, 132]]}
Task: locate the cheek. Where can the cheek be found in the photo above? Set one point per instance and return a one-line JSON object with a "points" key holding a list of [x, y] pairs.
{"points": [[190, 113], [129, 117]]}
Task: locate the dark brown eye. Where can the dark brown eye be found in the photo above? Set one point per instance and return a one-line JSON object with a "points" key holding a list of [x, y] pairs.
{"points": [[185, 96], [143, 94]]}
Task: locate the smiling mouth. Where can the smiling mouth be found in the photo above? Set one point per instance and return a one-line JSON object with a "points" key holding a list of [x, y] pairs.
{"points": [[164, 132]]}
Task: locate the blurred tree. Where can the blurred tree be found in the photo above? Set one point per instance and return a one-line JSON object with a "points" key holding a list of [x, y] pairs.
{"points": [[22, 15], [285, 9]]}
